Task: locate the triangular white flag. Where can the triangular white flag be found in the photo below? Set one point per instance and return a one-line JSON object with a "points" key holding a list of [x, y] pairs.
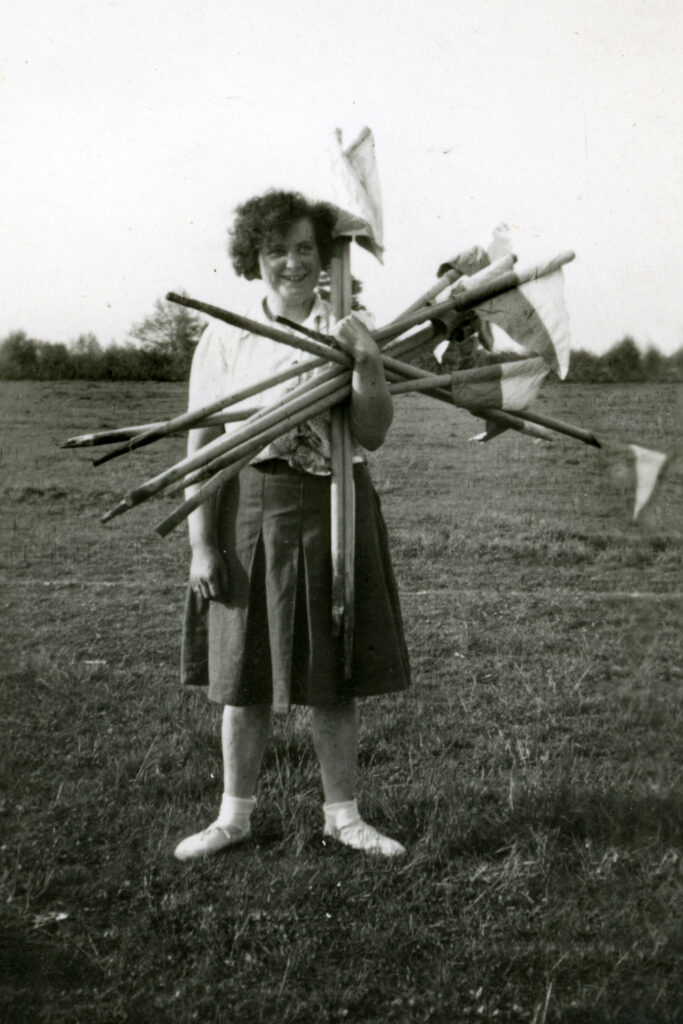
{"points": [[357, 192], [648, 466]]}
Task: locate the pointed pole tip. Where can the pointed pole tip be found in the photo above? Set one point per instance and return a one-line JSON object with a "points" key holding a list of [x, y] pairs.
{"points": [[118, 510]]}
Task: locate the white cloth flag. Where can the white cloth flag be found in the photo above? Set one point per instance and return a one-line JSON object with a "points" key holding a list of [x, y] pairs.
{"points": [[357, 192], [535, 316], [648, 465]]}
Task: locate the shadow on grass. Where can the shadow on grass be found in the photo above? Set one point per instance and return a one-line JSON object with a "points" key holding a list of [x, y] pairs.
{"points": [[31, 968], [612, 815], [479, 822]]}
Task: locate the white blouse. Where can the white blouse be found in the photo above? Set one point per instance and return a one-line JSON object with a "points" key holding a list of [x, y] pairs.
{"points": [[228, 359]]}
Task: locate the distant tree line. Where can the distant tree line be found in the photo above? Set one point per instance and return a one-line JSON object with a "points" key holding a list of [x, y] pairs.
{"points": [[161, 347], [622, 363], [158, 348]]}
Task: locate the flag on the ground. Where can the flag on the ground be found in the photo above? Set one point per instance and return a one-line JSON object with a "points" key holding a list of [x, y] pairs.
{"points": [[357, 192], [510, 386]]}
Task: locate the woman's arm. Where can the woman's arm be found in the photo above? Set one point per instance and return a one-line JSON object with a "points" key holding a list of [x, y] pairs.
{"points": [[372, 409], [208, 571]]}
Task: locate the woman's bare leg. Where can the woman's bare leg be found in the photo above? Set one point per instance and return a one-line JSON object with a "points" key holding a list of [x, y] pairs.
{"points": [[335, 735], [244, 736]]}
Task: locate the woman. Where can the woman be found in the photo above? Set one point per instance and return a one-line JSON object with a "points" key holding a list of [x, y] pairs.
{"points": [[261, 566]]}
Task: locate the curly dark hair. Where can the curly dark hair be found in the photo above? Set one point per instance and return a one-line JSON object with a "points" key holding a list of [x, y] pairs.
{"points": [[258, 219]]}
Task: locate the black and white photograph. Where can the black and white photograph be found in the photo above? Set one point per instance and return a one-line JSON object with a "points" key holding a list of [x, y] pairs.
{"points": [[341, 585]]}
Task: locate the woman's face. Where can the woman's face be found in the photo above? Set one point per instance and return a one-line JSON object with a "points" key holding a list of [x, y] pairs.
{"points": [[290, 267]]}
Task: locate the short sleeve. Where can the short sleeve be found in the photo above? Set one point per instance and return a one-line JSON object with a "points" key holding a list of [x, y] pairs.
{"points": [[209, 371]]}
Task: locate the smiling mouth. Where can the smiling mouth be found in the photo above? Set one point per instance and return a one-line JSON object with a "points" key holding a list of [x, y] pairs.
{"points": [[295, 280]]}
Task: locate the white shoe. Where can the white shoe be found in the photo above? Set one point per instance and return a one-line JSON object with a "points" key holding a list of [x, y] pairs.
{"points": [[344, 823], [212, 839]]}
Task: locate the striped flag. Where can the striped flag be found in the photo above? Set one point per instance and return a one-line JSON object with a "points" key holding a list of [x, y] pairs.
{"points": [[512, 386], [535, 316]]}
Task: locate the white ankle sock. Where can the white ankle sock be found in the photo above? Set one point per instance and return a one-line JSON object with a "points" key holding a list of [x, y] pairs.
{"points": [[236, 810], [340, 814]]}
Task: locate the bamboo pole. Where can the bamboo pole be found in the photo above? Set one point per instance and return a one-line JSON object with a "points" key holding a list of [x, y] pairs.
{"points": [[220, 478], [474, 296], [258, 439], [299, 398], [428, 382], [323, 351], [117, 434], [403, 346], [318, 401], [337, 535], [195, 416], [398, 371], [516, 420], [450, 277], [342, 489], [587, 436], [264, 330], [349, 523], [522, 422], [321, 345], [231, 468], [499, 266]]}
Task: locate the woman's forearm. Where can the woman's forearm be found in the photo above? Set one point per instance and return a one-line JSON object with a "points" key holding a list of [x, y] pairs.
{"points": [[201, 522], [372, 408]]}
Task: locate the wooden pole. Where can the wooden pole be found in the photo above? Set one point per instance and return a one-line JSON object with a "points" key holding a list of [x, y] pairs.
{"points": [[342, 490], [269, 430], [245, 323], [491, 270], [117, 434], [473, 296], [232, 464], [298, 399], [197, 417], [450, 277]]}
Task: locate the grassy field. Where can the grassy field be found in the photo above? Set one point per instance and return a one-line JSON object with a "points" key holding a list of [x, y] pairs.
{"points": [[533, 770]]}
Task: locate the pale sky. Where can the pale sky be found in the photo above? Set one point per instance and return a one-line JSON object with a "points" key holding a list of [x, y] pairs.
{"points": [[130, 130]]}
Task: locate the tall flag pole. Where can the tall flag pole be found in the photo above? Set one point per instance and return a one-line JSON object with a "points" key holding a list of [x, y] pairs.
{"points": [[357, 190], [342, 491]]}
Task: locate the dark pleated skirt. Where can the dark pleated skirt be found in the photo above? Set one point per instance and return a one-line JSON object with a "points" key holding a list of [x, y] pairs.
{"points": [[271, 640]]}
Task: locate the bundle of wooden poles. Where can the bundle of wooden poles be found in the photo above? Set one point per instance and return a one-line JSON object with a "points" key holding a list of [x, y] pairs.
{"points": [[327, 387]]}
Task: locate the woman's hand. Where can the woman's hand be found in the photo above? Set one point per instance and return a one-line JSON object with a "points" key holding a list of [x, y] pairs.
{"points": [[208, 573], [355, 339], [371, 406]]}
